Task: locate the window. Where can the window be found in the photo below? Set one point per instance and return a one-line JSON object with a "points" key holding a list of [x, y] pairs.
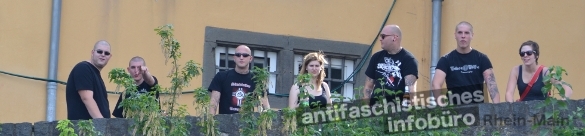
{"points": [[224, 61], [337, 71]]}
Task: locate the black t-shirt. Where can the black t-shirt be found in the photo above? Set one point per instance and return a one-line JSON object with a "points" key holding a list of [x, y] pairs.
{"points": [[85, 76], [142, 89], [464, 73], [233, 86], [392, 69]]}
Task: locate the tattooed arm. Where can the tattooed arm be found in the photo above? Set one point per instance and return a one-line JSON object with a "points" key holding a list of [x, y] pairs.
{"points": [[411, 82], [368, 87], [490, 80]]}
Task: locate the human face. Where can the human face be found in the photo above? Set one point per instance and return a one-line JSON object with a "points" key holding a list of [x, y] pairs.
{"points": [[242, 58], [528, 55], [101, 55], [463, 35], [386, 40], [134, 70], [314, 67]]}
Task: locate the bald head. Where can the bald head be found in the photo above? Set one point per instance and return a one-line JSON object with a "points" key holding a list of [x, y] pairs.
{"points": [[393, 29], [243, 48], [100, 43]]}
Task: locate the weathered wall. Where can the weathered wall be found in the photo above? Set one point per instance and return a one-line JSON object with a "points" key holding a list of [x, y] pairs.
{"points": [[228, 124], [128, 26]]}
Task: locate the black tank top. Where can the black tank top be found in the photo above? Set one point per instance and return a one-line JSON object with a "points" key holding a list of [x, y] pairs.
{"points": [[319, 101], [536, 90]]}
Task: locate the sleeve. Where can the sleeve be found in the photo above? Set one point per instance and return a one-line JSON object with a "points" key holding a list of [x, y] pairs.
{"points": [[411, 66], [485, 63], [153, 89], [443, 65], [371, 69], [216, 82], [83, 78]]}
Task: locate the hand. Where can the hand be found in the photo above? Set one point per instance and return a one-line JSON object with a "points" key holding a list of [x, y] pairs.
{"points": [[142, 69]]}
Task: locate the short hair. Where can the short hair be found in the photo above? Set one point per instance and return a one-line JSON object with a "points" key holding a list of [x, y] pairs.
{"points": [[534, 46], [464, 23], [137, 58], [101, 42]]}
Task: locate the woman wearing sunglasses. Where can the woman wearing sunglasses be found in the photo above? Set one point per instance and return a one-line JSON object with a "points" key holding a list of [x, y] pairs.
{"points": [[529, 77]]}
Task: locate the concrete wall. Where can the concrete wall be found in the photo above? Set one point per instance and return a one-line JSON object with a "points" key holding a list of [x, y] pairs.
{"points": [[128, 26], [228, 124]]}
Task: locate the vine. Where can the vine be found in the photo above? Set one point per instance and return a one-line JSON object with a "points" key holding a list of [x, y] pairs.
{"points": [[145, 110], [554, 85], [256, 125], [86, 128]]}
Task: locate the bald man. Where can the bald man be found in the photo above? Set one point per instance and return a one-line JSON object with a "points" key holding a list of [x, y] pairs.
{"points": [[143, 80], [228, 87], [86, 94], [464, 70], [393, 68]]}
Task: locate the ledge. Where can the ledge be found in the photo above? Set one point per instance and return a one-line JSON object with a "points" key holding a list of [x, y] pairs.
{"points": [[229, 123]]}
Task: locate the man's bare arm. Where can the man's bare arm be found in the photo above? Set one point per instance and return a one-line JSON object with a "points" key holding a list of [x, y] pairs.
{"points": [[437, 83], [411, 82], [265, 102], [490, 80], [148, 78], [90, 104], [214, 101], [368, 87]]}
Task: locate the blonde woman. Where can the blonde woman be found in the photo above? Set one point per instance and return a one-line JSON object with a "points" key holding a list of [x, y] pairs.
{"points": [[313, 63]]}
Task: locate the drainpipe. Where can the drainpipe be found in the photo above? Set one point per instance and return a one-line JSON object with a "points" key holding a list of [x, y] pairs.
{"points": [[436, 38], [53, 60]]}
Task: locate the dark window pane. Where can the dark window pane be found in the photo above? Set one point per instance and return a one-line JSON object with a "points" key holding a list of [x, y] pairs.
{"points": [[336, 73], [222, 60], [333, 85], [326, 72], [220, 70], [231, 64]]}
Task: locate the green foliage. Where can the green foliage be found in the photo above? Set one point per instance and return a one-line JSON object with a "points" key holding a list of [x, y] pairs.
{"points": [[207, 123], [86, 128], [65, 128], [256, 125], [145, 109], [554, 85]]}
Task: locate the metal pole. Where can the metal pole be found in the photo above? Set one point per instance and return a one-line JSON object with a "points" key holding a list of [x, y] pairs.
{"points": [[436, 38], [53, 60]]}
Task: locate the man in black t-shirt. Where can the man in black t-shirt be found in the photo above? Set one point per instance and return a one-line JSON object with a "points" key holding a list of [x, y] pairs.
{"points": [[228, 88], [142, 78], [86, 94], [464, 70], [394, 66]]}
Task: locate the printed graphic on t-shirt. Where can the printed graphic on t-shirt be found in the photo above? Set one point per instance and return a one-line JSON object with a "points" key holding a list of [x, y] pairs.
{"points": [[390, 69], [465, 69], [142, 91], [239, 91]]}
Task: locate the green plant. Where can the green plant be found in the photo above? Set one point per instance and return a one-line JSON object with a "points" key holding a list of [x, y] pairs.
{"points": [[554, 85], [65, 128], [207, 123], [86, 128], [256, 125], [145, 110]]}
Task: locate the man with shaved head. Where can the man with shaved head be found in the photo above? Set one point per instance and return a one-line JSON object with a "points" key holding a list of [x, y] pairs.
{"points": [[86, 94], [229, 88], [464, 70], [143, 80], [393, 68]]}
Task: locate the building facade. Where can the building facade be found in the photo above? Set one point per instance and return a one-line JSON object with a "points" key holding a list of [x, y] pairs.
{"points": [[279, 33]]}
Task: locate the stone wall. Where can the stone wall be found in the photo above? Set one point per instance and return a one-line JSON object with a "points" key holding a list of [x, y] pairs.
{"points": [[229, 123]]}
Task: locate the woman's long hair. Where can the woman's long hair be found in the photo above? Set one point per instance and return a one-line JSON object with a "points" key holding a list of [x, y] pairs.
{"points": [[315, 56]]}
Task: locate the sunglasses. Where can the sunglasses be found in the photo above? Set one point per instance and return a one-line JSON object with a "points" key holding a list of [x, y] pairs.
{"points": [[527, 53], [242, 54], [103, 52], [383, 36]]}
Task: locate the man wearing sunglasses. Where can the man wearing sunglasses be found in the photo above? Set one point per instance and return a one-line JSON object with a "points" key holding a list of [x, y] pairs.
{"points": [[144, 83], [86, 94], [229, 88], [394, 68], [464, 70]]}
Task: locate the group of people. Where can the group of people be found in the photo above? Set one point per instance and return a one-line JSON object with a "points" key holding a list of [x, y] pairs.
{"points": [[394, 68], [86, 94]]}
